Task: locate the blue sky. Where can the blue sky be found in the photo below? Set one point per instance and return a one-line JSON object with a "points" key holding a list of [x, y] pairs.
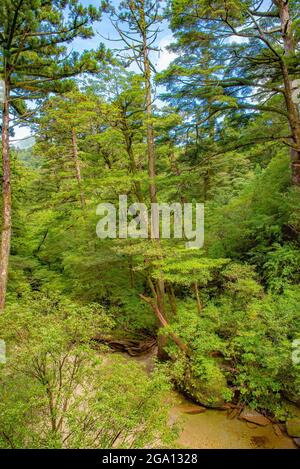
{"points": [[104, 29]]}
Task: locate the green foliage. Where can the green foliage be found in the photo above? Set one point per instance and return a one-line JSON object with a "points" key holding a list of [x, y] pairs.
{"points": [[245, 337], [282, 266], [57, 391], [185, 267], [238, 333], [34, 58], [229, 312]]}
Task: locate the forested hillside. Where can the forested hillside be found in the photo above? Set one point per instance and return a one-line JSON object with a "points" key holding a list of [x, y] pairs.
{"points": [[218, 126]]}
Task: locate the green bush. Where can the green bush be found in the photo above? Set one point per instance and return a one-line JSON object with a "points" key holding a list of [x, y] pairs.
{"points": [[57, 391]]}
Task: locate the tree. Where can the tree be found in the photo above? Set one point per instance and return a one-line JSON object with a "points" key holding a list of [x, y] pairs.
{"points": [[141, 19], [59, 392], [190, 269], [34, 61], [64, 122], [259, 45], [122, 114]]}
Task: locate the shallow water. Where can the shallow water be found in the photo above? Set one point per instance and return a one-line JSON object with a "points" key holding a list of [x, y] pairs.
{"points": [[215, 429]]}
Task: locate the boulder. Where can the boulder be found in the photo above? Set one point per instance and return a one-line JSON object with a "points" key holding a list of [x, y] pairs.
{"points": [[297, 442], [254, 417], [292, 397], [206, 392], [191, 409], [293, 427]]}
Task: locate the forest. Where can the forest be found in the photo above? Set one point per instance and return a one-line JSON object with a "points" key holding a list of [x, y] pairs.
{"points": [[123, 335]]}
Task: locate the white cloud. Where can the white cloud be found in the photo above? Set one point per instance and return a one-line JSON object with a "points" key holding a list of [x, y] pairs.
{"points": [[165, 57], [237, 39], [22, 137]]}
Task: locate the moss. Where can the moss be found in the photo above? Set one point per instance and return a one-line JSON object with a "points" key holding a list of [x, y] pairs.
{"points": [[210, 391], [293, 427]]}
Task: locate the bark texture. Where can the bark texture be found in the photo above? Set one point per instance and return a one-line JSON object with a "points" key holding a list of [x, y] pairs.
{"points": [[6, 199]]}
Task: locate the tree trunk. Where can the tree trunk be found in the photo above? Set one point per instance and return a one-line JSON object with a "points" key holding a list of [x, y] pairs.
{"points": [[6, 198], [172, 299], [294, 123], [164, 323], [132, 163], [198, 299], [160, 300], [77, 168], [160, 287], [150, 131], [290, 93]]}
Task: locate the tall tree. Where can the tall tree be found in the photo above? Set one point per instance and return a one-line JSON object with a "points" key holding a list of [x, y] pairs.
{"points": [[138, 25], [142, 18], [64, 122], [124, 114], [254, 68], [34, 61]]}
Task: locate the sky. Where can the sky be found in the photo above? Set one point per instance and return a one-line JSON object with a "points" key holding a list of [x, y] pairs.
{"points": [[104, 31]]}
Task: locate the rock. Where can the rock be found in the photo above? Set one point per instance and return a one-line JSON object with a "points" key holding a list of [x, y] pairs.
{"points": [[208, 393], [292, 397], [192, 409], [292, 409], [254, 417], [293, 427], [297, 442], [277, 430], [232, 414]]}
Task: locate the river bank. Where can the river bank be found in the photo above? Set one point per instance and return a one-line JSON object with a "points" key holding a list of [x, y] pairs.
{"points": [[215, 429]]}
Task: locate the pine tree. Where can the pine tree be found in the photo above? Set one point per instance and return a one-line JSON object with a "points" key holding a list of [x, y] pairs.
{"points": [[34, 61], [254, 66], [64, 122], [141, 19]]}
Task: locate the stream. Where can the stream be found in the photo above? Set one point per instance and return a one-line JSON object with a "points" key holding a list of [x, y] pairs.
{"points": [[214, 428]]}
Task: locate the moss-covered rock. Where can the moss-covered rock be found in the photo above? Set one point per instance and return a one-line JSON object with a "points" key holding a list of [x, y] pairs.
{"points": [[210, 391], [293, 427]]}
